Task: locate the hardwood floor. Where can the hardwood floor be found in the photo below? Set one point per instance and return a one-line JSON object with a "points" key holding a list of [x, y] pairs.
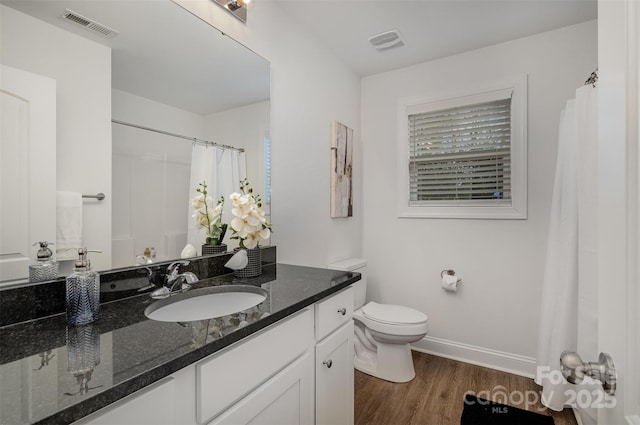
{"points": [[435, 396]]}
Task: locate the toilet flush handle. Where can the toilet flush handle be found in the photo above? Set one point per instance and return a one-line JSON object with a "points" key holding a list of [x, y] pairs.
{"points": [[328, 363], [342, 311]]}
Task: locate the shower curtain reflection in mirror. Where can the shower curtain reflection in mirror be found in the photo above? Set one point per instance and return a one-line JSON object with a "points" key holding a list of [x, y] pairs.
{"points": [[222, 169], [150, 175], [154, 178]]}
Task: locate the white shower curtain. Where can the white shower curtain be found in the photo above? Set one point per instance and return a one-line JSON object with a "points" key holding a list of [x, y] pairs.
{"points": [[222, 169], [568, 319]]}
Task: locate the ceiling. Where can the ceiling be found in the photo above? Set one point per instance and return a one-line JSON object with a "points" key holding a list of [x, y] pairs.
{"points": [[155, 44], [431, 29]]}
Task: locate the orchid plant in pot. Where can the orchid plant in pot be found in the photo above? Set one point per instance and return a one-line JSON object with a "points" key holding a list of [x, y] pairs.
{"points": [[249, 227], [209, 218]]}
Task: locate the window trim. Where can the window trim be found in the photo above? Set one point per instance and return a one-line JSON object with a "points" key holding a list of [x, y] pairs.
{"points": [[476, 93]]}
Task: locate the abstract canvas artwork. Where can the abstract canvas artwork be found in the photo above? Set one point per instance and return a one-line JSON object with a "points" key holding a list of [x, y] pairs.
{"points": [[341, 170]]}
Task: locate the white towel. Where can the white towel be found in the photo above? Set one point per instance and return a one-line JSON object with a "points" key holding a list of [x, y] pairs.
{"points": [[68, 225]]}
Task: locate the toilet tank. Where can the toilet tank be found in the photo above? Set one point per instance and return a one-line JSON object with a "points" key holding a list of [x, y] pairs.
{"points": [[360, 287]]}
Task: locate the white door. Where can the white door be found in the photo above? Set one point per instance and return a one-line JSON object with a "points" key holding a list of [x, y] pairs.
{"points": [[27, 168], [618, 197]]}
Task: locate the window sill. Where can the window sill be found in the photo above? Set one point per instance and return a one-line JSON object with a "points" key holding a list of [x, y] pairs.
{"points": [[480, 213]]}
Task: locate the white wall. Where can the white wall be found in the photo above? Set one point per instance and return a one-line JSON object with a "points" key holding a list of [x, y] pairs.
{"points": [[149, 113], [82, 70], [501, 262], [309, 88]]}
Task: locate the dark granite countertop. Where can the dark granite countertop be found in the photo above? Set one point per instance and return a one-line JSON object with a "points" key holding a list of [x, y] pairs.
{"points": [[51, 373]]}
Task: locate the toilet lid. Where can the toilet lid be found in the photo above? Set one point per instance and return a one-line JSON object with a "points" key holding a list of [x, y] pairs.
{"points": [[394, 314]]}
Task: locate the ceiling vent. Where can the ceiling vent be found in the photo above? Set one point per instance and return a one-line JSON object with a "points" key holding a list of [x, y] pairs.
{"points": [[88, 24], [386, 40]]}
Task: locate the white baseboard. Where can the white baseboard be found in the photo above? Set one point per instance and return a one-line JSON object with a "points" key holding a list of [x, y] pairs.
{"points": [[493, 359]]}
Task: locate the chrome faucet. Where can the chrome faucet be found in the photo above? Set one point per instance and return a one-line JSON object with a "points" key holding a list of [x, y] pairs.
{"points": [[174, 278], [172, 271], [175, 282]]}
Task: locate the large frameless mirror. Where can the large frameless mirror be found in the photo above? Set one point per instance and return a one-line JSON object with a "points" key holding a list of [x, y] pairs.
{"points": [[143, 93]]}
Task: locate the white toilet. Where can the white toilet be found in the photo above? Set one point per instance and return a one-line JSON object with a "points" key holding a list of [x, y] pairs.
{"points": [[383, 332]]}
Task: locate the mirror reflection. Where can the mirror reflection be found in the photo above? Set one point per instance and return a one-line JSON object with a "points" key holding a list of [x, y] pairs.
{"points": [[145, 109]]}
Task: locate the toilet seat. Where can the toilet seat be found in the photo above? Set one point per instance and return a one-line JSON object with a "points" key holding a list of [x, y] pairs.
{"points": [[393, 314], [379, 318]]}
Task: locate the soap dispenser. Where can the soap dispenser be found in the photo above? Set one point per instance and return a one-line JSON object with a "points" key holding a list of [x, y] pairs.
{"points": [[45, 268], [83, 292]]}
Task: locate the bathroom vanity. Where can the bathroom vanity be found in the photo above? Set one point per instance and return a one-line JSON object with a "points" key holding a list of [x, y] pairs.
{"points": [[286, 360]]}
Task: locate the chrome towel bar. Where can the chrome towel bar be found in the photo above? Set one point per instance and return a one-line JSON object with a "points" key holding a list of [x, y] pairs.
{"points": [[99, 196]]}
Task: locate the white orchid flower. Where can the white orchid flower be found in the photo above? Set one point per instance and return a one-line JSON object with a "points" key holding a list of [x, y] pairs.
{"points": [[251, 241], [238, 212], [235, 198], [202, 220], [239, 224], [241, 210], [264, 233], [260, 215], [214, 215], [198, 202], [249, 223], [238, 199], [253, 219]]}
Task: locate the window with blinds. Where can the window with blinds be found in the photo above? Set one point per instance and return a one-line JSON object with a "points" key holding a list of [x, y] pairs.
{"points": [[461, 153]]}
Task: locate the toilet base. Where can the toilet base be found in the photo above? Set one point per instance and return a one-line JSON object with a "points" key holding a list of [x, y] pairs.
{"points": [[391, 362]]}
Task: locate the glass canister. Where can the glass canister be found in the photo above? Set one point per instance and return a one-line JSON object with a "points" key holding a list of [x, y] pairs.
{"points": [[45, 268], [83, 292]]}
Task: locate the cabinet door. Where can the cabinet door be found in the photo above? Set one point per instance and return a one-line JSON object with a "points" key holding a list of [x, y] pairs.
{"points": [[334, 377], [153, 405], [285, 399]]}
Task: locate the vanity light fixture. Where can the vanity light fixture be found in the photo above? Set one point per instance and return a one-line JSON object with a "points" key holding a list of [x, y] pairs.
{"points": [[236, 4], [237, 8]]}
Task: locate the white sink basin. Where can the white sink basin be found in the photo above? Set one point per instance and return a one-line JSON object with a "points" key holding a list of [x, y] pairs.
{"points": [[206, 303]]}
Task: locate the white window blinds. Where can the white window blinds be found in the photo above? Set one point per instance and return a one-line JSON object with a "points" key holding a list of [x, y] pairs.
{"points": [[461, 154], [267, 169]]}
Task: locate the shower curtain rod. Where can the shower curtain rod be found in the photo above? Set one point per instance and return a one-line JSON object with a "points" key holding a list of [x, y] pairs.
{"points": [[193, 139]]}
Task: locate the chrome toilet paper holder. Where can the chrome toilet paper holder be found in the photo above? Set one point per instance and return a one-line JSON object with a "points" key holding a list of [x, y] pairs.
{"points": [[450, 272]]}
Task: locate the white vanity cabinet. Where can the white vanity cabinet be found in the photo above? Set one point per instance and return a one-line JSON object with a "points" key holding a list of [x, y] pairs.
{"points": [[266, 379], [334, 359], [297, 371]]}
